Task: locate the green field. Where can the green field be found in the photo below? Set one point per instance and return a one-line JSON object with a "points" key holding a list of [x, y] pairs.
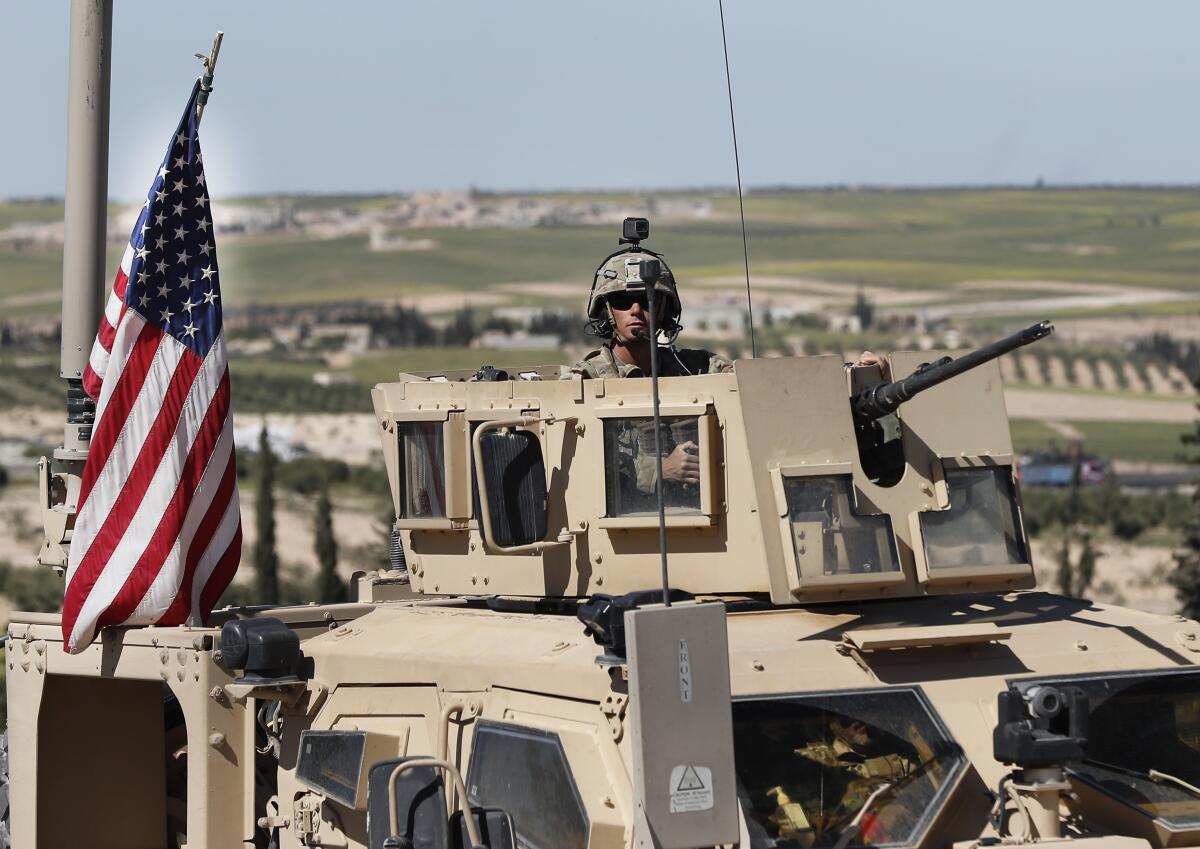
{"points": [[1140, 442], [932, 239]]}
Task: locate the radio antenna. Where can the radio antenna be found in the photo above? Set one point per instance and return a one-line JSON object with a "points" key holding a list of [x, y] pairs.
{"points": [[738, 168]]}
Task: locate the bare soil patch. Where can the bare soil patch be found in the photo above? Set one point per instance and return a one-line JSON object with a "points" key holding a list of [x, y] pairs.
{"points": [[1076, 406]]}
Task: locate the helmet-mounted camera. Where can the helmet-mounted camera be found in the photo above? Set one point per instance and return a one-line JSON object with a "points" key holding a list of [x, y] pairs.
{"points": [[633, 230]]}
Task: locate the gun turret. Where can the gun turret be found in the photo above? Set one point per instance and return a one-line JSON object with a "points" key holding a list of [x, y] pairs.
{"points": [[878, 444], [884, 398]]}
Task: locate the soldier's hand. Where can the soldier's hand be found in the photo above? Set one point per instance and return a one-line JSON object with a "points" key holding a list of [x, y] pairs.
{"points": [[870, 358], [682, 464]]}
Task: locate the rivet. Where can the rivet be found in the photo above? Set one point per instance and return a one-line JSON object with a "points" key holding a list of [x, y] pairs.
{"points": [[620, 402], [599, 580], [474, 579], [757, 666], [800, 535], [164, 655], [599, 558], [216, 739], [608, 802], [486, 580], [803, 549], [1080, 645]]}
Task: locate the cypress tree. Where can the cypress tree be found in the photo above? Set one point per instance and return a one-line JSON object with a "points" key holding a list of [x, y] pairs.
{"points": [[266, 561], [330, 588], [1186, 577]]}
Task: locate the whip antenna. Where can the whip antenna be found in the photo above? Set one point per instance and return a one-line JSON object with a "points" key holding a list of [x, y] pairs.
{"points": [[738, 168]]}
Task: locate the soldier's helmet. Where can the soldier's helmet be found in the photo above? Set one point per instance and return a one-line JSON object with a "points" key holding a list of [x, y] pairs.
{"points": [[614, 276]]}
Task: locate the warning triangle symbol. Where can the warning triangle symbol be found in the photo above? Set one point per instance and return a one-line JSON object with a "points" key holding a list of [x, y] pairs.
{"points": [[689, 781]]}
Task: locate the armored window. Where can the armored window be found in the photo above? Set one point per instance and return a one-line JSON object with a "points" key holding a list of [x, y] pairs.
{"points": [[525, 772], [808, 764], [830, 540], [829, 536], [687, 445], [431, 489], [422, 470], [981, 530]]}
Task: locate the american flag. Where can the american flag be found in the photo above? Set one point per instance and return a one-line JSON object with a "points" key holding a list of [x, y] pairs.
{"points": [[158, 531]]}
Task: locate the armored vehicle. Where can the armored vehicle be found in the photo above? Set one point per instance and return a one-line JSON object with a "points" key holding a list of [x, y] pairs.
{"points": [[843, 662], [830, 638]]}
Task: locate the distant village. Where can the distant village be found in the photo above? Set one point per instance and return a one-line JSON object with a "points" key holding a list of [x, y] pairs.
{"points": [[385, 223]]}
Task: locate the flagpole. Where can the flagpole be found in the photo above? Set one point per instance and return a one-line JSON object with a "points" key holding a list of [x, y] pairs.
{"points": [[85, 217], [206, 79]]}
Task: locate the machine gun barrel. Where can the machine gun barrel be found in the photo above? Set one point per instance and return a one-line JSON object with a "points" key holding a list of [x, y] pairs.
{"points": [[885, 398]]}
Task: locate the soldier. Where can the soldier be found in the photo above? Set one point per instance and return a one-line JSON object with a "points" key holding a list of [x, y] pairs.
{"points": [[618, 317]]}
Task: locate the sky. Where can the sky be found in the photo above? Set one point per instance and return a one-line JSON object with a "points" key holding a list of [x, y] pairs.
{"points": [[375, 97]]}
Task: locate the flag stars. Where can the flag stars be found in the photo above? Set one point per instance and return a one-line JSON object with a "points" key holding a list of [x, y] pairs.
{"points": [[177, 186], [183, 257], [202, 225], [144, 300], [142, 253], [189, 304], [210, 297], [179, 163], [180, 232], [160, 196], [207, 272], [162, 172], [177, 209], [190, 329], [159, 241], [165, 316], [202, 201], [200, 180], [163, 290], [159, 218], [160, 266], [185, 282], [206, 248], [181, 138]]}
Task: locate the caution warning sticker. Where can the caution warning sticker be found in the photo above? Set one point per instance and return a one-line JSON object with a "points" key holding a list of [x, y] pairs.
{"points": [[691, 789]]}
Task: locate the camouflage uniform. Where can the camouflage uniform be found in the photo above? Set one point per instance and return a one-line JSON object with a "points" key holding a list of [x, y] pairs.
{"points": [[603, 363]]}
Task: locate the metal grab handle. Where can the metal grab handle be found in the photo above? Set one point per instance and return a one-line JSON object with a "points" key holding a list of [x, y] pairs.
{"points": [[485, 521], [436, 763]]}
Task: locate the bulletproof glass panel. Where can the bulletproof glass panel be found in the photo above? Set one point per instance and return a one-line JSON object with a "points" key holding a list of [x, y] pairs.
{"points": [[524, 771], [495, 829], [982, 526], [1138, 723], [829, 536], [331, 762], [630, 470], [807, 764], [515, 477], [422, 470], [420, 803]]}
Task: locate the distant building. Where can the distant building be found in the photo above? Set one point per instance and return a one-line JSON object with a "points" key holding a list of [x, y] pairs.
{"points": [[519, 340]]}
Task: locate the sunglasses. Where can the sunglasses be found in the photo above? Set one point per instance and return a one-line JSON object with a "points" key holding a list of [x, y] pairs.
{"points": [[625, 300]]}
